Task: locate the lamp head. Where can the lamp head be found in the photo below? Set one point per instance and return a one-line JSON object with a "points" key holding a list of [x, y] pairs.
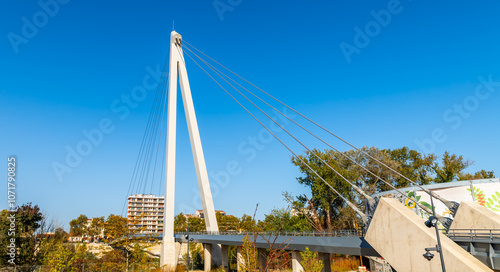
{"points": [[428, 255], [431, 222]]}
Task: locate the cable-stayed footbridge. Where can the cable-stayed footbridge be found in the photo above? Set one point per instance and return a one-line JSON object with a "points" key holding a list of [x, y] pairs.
{"points": [[392, 230]]}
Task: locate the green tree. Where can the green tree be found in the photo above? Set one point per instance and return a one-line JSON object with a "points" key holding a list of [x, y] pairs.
{"points": [[481, 174], [139, 258], [413, 165], [26, 227], [365, 167], [29, 218], [451, 168], [78, 226], [227, 222], [112, 261], [5, 237], [115, 226], [325, 206], [62, 259], [127, 248], [325, 211], [180, 223], [310, 261], [247, 223], [83, 258], [96, 227], [197, 256], [61, 235], [248, 255], [282, 219], [196, 224]]}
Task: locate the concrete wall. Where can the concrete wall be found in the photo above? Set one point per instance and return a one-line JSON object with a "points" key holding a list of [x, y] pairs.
{"points": [[471, 215], [400, 236], [170, 252], [296, 259]]}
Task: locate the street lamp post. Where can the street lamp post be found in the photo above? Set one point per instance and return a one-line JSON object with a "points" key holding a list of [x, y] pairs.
{"points": [[186, 236], [432, 222]]}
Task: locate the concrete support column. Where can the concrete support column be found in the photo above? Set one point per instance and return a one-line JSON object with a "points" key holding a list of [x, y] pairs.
{"points": [[207, 250], [296, 259], [225, 257], [216, 255], [325, 258], [213, 255], [239, 259], [262, 253], [169, 250]]}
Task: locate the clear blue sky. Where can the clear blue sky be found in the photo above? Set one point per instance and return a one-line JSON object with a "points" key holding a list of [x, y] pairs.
{"points": [[397, 83]]}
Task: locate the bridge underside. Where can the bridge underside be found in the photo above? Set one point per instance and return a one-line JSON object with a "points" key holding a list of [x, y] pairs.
{"points": [[356, 246], [485, 250], [477, 230]]}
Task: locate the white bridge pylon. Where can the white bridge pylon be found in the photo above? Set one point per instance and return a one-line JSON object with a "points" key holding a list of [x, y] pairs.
{"points": [[177, 67]]}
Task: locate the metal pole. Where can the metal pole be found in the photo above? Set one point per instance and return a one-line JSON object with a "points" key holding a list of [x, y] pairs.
{"points": [[187, 266], [439, 247], [472, 193]]}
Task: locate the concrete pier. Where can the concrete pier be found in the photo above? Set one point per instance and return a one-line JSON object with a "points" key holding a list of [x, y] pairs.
{"points": [[225, 256], [169, 249], [207, 251], [296, 259], [239, 259], [325, 258], [262, 258]]}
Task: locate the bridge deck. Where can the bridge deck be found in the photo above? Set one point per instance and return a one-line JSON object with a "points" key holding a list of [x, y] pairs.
{"points": [[350, 245]]}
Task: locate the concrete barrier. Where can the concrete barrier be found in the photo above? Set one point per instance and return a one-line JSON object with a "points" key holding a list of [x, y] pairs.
{"points": [[400, 237], [471, 215]]}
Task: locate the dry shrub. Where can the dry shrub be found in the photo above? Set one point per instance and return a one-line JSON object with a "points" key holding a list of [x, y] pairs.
{"points": [[169, 268], [345, 263]]}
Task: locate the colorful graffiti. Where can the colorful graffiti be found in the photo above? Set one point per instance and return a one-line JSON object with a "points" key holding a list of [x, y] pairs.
{"points": [[410, 204], [492, 203]]}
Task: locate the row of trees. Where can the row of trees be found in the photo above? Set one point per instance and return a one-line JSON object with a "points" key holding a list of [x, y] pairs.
{"points": [[326, 211], [38, 243], [114, 226], [26, 234], [246, 223], [320, 210], [76, 257]]}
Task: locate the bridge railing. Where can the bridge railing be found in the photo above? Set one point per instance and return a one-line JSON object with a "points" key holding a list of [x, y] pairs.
{"points": [[336, 233], [474, 234]]}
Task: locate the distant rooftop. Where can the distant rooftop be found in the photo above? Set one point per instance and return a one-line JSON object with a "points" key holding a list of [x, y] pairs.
{"points": [[145, 195]]}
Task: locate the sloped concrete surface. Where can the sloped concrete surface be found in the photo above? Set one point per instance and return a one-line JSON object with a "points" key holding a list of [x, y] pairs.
{"points": [[400, 237], [471, 215]]}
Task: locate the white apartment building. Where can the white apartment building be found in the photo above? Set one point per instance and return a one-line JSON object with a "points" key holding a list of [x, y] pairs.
{"points": [[145, 213]]}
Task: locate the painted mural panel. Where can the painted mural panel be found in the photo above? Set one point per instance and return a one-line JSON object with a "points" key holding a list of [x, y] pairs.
{"points": [[485, 193]]}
